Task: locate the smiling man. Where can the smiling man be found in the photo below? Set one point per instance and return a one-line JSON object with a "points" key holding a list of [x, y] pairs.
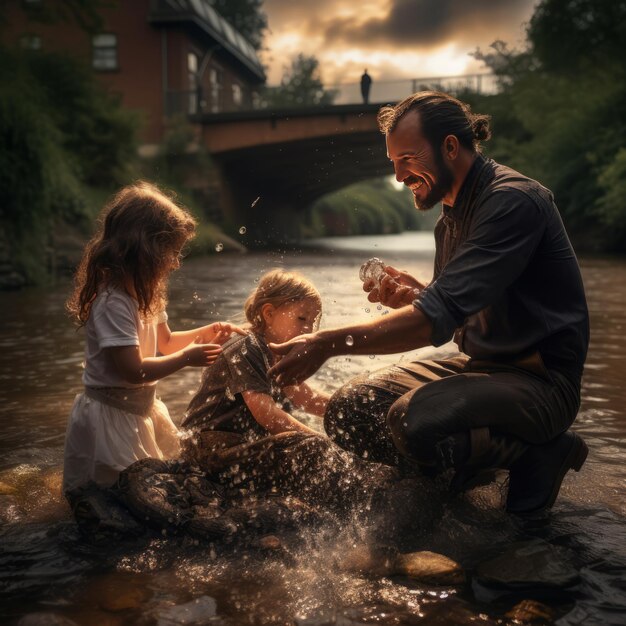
{"points": [[506, 287]]}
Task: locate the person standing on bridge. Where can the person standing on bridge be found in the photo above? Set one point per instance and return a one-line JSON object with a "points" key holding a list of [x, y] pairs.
{"points": [[366, 84], [506, 286]]}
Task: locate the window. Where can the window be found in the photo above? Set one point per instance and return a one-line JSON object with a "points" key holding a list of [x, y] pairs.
{"points": [[192, 78], [216, 79], [105, 52], [30, 42], [237, 94]]}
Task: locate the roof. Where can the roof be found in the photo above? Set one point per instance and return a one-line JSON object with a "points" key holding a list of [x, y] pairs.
{"points": [[202, 14]]}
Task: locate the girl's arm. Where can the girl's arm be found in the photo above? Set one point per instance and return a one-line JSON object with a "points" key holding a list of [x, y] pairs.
{"points": [[135, 369], [306, 398], [218, 332], [268, 415]]}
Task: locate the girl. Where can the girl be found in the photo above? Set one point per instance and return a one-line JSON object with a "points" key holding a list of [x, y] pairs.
{"points": [[242, 433], [119, 297], [236, 394]]}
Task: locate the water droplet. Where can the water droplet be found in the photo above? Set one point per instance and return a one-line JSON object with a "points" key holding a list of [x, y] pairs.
{"points": [[349, 340], [379, 307], [242, 230], [371, 395], [372, 356], [219, 247], [367, 310]]}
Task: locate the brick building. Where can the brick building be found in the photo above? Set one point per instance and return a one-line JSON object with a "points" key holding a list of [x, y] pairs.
{"points": [[163, 57]]}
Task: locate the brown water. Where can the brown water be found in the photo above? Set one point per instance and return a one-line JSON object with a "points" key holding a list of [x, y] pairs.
{"points": [[45, 567]]}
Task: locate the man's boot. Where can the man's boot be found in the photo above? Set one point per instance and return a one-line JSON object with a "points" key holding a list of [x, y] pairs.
{"points": [[536, 477], [477, 455]]}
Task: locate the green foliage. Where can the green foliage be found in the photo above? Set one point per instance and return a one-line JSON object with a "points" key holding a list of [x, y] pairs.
{"points": [[84, 13], [561, 114], [246, 16], [301, 85], [612, 180], [61, 135], [370, 207]]}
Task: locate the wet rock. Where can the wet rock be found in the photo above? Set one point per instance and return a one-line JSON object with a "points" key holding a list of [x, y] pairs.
{"points": [[7, 490], [429, 567], [529, 564], [197, 611], [45, 619], [100, 515], [113, 593], [369, 560], [10, 510], [531, 612], [269, 542]]}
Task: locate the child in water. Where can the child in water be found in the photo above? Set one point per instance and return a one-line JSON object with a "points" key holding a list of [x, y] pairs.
{"points": [[236, 394], [120, 298]]}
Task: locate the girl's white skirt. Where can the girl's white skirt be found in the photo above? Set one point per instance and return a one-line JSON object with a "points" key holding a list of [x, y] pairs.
{"points": [[102, 440]]}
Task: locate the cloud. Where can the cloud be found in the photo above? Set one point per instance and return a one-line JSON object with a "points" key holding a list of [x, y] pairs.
{"points": [[393, 38], [426, 23]]}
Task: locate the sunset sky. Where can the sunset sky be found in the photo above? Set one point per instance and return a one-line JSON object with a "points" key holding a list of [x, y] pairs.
{"points": [[394, 39]]}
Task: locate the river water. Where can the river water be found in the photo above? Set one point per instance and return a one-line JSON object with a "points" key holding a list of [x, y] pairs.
{"points": [[45, 567]]}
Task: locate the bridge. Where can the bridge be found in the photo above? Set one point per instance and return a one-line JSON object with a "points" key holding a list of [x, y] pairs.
{"points": [[291, 157]]}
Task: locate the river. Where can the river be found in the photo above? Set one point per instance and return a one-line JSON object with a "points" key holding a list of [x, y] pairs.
{"points": [[45, 567]]}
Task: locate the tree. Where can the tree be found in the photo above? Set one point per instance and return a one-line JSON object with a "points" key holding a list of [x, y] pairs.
{"points": [[301, 85], [85, 13], [246, 16], [561, 114]]}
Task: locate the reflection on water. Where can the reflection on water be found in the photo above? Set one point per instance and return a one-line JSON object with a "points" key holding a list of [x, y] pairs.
{"points": [[43, 565]]}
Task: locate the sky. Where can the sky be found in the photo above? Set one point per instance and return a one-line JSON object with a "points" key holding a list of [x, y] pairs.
{"points": [[393, 39]]}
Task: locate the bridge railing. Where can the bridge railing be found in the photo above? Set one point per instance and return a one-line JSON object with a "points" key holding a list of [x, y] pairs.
{"points": [[381, 91]]}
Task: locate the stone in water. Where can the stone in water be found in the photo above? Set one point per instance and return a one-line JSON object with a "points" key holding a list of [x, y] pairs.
{"points": [[219, 247]]}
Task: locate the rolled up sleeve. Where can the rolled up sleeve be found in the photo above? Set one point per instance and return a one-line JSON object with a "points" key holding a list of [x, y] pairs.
{"points": [[505, 232]]}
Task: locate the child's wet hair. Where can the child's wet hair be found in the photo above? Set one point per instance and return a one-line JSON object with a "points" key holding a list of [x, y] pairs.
{"points": [[140, 231], [278, 287]]}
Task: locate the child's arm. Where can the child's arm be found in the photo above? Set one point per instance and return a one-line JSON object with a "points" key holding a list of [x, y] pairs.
{"points": [[135, 369], [218, 332], [268, 415], [306, 398]]}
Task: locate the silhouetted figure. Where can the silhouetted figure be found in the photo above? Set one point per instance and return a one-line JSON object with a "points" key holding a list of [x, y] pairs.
{"points": [[366, 83]]}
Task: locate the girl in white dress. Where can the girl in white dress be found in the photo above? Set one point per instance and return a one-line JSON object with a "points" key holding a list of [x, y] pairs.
{"points": [[120, 297]]}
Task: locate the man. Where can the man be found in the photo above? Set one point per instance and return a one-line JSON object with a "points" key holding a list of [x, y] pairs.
{"points": [[366, 83], [506, 286]]}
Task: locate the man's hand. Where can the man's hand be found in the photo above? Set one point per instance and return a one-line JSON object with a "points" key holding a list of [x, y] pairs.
{"points": [[300, 358], [396, 289]]}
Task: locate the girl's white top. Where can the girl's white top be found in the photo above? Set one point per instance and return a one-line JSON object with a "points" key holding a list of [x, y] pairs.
{"points": [[114, 321]]}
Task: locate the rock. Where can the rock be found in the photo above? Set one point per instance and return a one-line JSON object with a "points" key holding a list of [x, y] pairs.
{"points": [[269, 542], [372, 560], [7, 490], [429, 567], [531, 612], [197, 611], [115, 592], [529, 564], [45, 619]]}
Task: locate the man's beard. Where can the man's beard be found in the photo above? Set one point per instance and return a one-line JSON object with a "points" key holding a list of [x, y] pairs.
{"points": [[439, 190]]}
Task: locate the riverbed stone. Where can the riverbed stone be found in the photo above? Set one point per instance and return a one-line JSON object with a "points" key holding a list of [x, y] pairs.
{"points": [[368, 560], [429, 567], [45, 619], [531, 612], [197, 611], [7, 490], [529, 564]]}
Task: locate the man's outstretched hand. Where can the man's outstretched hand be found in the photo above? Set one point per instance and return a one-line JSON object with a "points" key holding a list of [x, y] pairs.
{"points": [[396, 289], [300, 358]]}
